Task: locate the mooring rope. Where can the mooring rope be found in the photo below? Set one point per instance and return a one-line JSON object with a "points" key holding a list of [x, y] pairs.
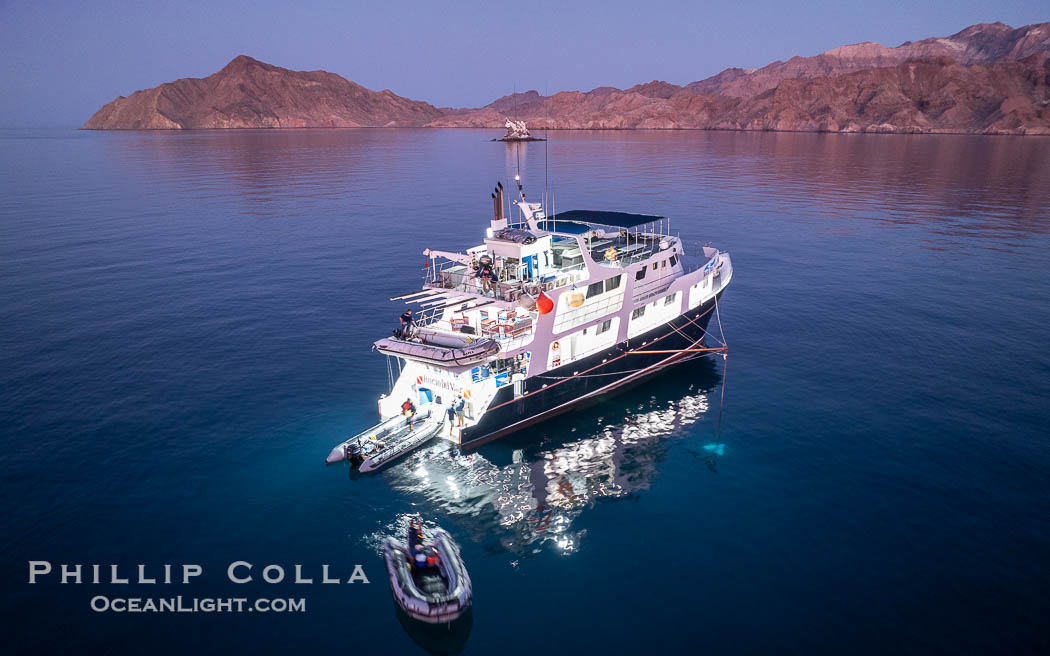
{"points": [[725, 371]]}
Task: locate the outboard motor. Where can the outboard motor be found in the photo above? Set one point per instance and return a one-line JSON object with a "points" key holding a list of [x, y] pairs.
{"points": [[354, 455]]}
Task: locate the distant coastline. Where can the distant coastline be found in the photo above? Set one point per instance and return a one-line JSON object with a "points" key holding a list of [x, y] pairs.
{"points": [[987, 79], [487, 129]]}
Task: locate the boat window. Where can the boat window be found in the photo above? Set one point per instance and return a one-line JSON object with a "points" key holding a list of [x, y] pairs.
{"points": [[663, 264], [655, 264], [638, 312], [641, 274], [669, 299], [673, 260], [612, 283], [594, 289], [606, 325]]}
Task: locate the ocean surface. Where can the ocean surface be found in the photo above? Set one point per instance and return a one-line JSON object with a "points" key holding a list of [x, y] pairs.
{"points": [[185, 331]]}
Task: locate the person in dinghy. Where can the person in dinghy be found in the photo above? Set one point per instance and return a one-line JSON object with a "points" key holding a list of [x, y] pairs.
{"points": [[428, 579], [409, 410]]}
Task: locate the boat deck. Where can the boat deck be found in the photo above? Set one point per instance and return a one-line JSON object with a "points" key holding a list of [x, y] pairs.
{"points": [[625, 249]]}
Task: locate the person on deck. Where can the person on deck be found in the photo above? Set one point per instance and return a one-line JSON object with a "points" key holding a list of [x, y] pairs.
{"points": [[489, 279], [457, 406], [409, 410], [451, 417], [406, 324]]}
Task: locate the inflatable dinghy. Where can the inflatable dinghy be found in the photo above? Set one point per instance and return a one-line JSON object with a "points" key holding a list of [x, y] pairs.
{"points": [[429, 580], [388, 441], [433, 347]]}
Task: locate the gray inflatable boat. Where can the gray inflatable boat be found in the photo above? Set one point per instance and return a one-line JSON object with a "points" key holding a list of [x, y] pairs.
{"points": [[428, 579], [388, 440], [440, 348]]}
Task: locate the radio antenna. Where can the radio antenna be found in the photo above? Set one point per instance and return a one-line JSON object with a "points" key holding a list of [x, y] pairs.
{"points": [[546, 168]]}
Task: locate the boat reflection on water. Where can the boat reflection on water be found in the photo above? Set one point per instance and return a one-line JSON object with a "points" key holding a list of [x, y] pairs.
{"points": [[438, 638], [527, 489]]}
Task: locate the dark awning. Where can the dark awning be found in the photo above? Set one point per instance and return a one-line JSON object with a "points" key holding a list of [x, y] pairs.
{"points": [[597, 217]]}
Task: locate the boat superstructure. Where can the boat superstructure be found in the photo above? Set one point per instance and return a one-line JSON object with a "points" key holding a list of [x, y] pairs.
{"points": [[549, 312]]}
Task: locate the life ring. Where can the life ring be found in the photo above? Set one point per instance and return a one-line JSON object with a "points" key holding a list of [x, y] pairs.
{"points": [[555, 346]]}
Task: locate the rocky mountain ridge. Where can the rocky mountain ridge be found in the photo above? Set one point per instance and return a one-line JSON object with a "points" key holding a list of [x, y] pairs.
{"points": [[988, 78], [248, 93]]}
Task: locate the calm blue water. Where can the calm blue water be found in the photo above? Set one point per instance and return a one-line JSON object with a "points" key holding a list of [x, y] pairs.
{"points": [[185, 332]]}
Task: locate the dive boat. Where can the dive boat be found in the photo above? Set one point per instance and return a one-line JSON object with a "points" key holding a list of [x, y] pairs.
{"points": [[548, 313], [516, 131], [429, 580]]}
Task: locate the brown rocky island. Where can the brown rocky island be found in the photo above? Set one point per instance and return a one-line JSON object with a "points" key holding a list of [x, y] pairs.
{"points": [[987, 79], [250, 94]]}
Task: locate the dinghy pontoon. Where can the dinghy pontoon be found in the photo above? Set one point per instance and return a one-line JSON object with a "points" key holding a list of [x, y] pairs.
{"points": [[438, 348], [429, 581], [389, 440]]}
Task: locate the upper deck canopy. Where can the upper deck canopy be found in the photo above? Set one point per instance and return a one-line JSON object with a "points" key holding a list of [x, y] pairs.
{"points": [[580, 221]]}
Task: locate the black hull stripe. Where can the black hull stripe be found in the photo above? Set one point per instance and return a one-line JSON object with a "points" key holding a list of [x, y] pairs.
{"points": [[598, 366], [632, 379], [510, 414]]}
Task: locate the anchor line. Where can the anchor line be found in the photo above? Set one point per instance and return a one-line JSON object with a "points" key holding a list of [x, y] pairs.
{"points": [[720, 349], [725, 372], [706, 334], [694, 356], [622, 355]]}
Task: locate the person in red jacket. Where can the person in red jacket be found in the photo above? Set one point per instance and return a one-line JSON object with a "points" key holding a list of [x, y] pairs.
{"points": [[409, 410]]}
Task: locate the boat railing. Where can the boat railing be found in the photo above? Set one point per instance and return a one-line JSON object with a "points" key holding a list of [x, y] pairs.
{"points": [[624, 261], [566, 276], [652, 287], [623, 252], [448, 275], [458, 277], [428, 317]]}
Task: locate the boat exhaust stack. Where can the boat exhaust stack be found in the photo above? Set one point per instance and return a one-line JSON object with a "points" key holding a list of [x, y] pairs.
{"points": [[499, 222]]}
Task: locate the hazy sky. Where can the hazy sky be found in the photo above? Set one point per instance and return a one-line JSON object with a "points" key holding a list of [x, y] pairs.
{"points": [[63, 60]]}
